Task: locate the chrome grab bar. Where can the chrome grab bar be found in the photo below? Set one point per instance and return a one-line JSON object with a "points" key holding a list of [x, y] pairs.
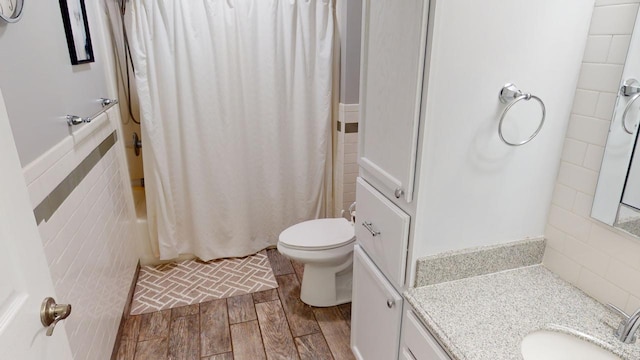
{"points": [[77, 120]]}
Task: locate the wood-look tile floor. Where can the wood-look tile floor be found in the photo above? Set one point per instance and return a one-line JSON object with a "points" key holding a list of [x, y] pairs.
{"points": [[272, 324]]}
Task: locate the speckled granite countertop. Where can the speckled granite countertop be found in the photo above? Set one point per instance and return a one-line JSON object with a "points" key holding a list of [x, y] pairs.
{"points": [[486, 317]]}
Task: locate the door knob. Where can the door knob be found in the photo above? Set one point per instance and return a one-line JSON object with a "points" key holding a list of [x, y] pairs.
{"points": [[51, 313], [398, 193]]}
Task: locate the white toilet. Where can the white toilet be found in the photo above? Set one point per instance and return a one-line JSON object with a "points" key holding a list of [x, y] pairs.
{"points": [[325, 247]]}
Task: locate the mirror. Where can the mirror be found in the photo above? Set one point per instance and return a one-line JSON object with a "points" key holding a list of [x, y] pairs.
{"points": [[76, 27], [617, 197]]}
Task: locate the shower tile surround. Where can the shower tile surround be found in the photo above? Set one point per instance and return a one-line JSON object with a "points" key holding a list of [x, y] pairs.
{"points": [[597, 258], [346, 157], [482, 302], [79, 193]]}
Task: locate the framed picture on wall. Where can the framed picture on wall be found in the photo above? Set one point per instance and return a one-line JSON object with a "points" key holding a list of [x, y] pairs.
{"points": [[76, 27]]}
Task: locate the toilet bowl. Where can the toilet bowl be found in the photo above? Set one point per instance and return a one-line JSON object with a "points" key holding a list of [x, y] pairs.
{"points": [[325, 247]]}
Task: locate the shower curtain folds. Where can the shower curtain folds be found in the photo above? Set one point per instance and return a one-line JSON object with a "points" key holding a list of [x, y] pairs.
{"points": [[235, 102]]}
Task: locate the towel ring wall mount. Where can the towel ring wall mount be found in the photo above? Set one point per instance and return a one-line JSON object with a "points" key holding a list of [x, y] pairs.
{"points": [[511, 95], [630, 87]]}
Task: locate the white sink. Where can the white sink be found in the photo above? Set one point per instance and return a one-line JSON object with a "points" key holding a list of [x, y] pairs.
{"points": [[551, 345]]}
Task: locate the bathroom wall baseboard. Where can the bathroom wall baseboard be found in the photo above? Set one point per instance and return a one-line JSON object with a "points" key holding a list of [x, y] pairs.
{"points": [[125, 312]]}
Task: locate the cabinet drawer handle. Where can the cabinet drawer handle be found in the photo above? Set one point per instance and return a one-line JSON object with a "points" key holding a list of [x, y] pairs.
{"points": [[369, 226], [390, 303], [398, 192]]}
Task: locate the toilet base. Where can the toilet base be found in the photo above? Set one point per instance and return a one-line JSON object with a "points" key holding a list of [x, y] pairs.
{"points": [[322, 287]]}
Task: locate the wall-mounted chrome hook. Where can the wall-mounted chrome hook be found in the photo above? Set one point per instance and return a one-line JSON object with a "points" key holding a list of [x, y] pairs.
{"points": [[106, 102], [510, 92], [77, 120]]}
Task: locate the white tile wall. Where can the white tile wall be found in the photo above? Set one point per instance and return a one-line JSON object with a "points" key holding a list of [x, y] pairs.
{"points": [[90, 241], [346, 161], [600, 260]]}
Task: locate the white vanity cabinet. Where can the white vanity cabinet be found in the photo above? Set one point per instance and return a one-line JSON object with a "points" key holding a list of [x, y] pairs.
{"points": [[382, 230], [393, 53], [376, 312], [417, 342], [392, 64]]}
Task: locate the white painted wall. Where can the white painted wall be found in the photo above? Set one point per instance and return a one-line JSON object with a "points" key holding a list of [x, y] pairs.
{"points": [[349, 21], [597, 258], [38, 81], [474, 189]]}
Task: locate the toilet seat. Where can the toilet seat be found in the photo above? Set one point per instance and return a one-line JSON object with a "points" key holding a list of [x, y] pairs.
{"points": [[319, 234]]}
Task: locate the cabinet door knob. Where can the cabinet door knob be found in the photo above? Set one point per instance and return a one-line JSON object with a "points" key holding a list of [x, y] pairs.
{"points": [[390, 303], [369, 226], [398, 192]]}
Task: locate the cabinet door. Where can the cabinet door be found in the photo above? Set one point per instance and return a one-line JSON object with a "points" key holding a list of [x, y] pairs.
{"points": [[417, 340], [393, 51], [376, 312]]}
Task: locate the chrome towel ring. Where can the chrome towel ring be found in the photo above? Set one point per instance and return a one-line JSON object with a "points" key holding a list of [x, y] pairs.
{"points": [[510, 94], [626, 110], [629, 87]]}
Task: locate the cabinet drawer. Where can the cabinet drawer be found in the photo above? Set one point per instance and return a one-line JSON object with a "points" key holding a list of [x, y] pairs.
{"points": [[376, 312], [418, 342], [382, 229]]}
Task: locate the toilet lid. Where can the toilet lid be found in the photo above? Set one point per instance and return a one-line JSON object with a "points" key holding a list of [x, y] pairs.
{"points": [[319, 234]]}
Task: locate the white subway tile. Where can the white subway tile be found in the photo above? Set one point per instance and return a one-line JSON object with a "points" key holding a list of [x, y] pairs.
{"points": [[558, 263], [351, 117], [349, 178], [618, 246], [585, 102], [633, 304], [350, 159], [593, 157], [351, 138], [563, 196], [577, 177], [349, 197], [606, 105], [615, 19], [600, 77], [625, 277], [597, 48], [587, 129], [601, 289], [555, 238], [618, 50], [574, 151], [582, 204], [586, 256], [569, 223], [351, 169]]}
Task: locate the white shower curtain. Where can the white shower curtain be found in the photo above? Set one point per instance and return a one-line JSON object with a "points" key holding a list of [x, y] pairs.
{"points": [[235, 99]]}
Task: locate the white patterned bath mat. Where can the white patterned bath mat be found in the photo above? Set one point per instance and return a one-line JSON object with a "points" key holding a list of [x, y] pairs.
{"points": [[189, 282]]}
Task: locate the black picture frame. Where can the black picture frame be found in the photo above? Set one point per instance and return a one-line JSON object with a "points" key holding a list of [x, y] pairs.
{"points": [[76, 28]]}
